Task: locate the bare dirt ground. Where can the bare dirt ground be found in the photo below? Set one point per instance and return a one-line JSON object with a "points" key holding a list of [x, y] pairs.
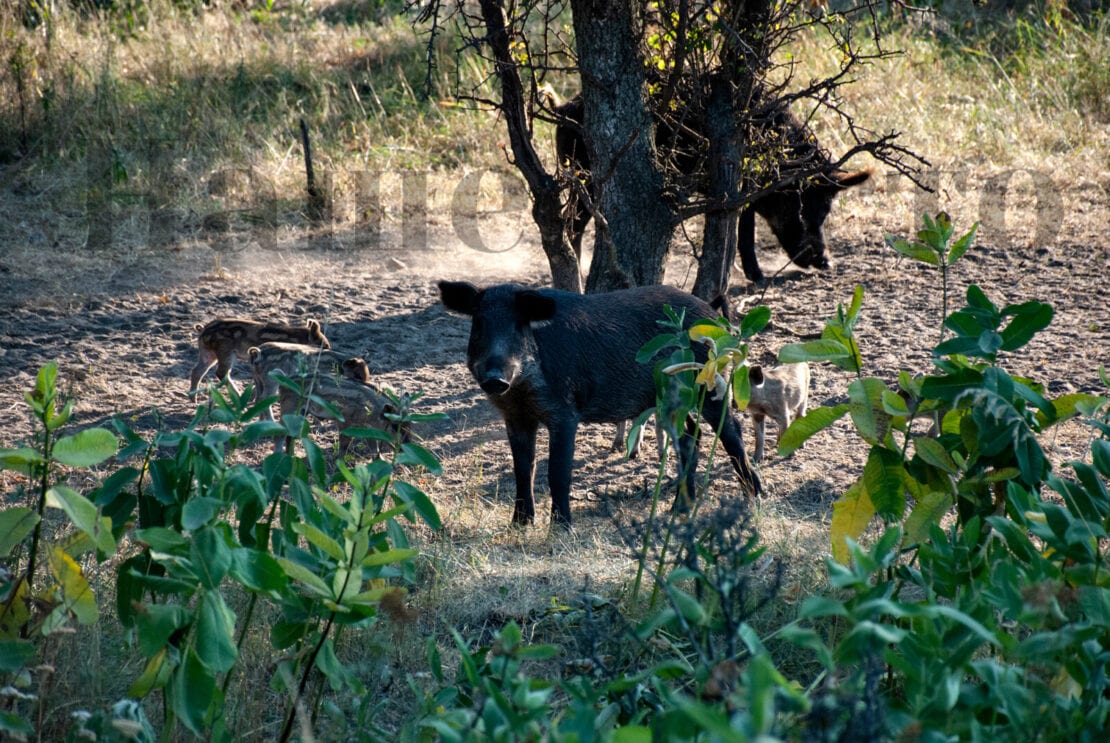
{"points": [[119, 321]]}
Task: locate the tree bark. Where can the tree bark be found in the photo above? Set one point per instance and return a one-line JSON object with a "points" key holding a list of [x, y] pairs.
{"points": [[719, 237], [628, 184], [547, 205], [731, 92]]}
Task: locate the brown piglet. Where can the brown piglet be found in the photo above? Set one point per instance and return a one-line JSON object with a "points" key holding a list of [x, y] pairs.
{"points": [[222, 341]]}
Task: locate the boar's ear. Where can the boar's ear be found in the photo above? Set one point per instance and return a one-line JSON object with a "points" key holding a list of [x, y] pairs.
{"points": [[312, 325], [842, 179], [459, 296], [254, 352], [534, 307], [198, 327], [755, 375]]}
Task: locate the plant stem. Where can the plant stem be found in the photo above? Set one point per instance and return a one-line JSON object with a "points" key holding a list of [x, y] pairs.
{"points": [[44, 485]]}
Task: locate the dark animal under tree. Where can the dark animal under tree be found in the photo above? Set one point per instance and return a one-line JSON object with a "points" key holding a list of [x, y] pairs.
{"points": [[795, 212]]}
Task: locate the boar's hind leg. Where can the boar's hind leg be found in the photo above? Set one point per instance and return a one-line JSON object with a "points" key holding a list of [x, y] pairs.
{"points": [[746, 244], [522, 442], [734, 445], [560, 463]]}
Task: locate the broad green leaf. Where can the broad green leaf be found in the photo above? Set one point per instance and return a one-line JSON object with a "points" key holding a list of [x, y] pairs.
{"points": [[851, 515], [16, 654], [84, 515], [894, 404], [338, 675], [370, 598], [24, 460], [822, 606], [215, 633], [1029, 319], [915, 250], [632, 438], [335, 508], [161, 539], [802, 429], [632, 734], [989, 342], [211, 556], [200, 510], [420, 502], [318, 538], [928, 510], [192, 690], [741, 387], [818, 350], [809, 639], [961, 246], [931, 450], [155, 676], [951, 386], [1068, 406], [87, 448], [866, 408], [305, 577], [977, 300], [388, 557], [754, 321], [854, 307], [882, 479], [156, 623], [688, 606], [373, 434], [649, 350], [258, 571], [77, 596], [16, 523], [706, 329], [15, 726], [960, 345], [417, 456], [1100, 456]]}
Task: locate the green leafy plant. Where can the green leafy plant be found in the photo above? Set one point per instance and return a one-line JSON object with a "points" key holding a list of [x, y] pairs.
{"points": [[220, 543], [985, 421], [931, 248], [42, 586], [997, 630], [278, 534]]}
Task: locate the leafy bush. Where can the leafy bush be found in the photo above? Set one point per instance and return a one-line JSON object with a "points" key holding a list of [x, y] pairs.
{"points": [[212, 535]]}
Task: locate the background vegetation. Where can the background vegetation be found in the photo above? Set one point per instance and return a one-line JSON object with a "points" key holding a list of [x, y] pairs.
{"points": [[231, 612]]}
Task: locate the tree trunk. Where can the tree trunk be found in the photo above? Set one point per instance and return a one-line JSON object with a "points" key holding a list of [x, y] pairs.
{"points": [[547, 205], [719, 237], [627, 183], [731, 93]]}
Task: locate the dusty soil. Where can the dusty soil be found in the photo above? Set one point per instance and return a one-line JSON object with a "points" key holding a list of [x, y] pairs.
{"points": [[120, 324]]}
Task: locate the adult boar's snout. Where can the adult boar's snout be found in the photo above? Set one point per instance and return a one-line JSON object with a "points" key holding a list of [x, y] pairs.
{"points": [[494, 384]]}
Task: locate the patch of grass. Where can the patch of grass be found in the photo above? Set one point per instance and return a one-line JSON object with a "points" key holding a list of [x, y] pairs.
{"points": [[149, 111]]}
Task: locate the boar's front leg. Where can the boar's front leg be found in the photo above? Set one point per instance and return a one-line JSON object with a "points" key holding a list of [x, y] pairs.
{"points": [[522, 442], [560, 463]]}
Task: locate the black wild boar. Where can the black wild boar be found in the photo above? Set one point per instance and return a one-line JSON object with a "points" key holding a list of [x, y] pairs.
{"points": [[559, 359], [796, 214]]}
